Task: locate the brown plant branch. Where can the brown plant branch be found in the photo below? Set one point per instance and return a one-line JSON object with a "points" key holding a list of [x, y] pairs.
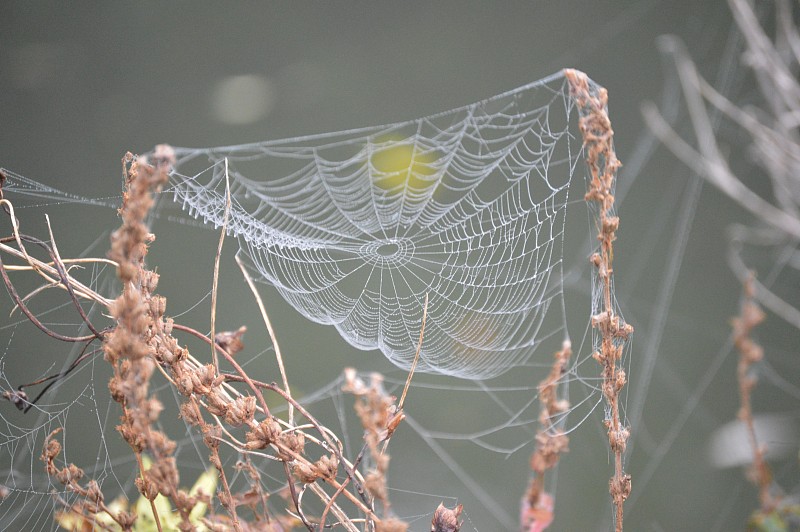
{"points": [[64, 277], [20, 303]]}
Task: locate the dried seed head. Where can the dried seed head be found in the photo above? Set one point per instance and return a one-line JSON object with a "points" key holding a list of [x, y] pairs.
{"points": [[190, 414], [306, 473], [264, 434], [71, 473], [147, 486], [231, 341], [291, 441], [164, 157], [375, 483], [17, 397], [185, 384], [134, 438], [327, 466], [160, 444], [446, 520], [126, 520], [211, 436], [620, 380], [241, 411], [216, 405], [93, 492]]}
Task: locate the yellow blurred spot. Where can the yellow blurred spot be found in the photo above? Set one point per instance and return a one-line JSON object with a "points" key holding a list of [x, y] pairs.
{"points": [[398, 164]]}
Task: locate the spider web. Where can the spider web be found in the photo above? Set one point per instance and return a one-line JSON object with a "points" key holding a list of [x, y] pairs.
{"points": [[354, 228], [478, 431]]}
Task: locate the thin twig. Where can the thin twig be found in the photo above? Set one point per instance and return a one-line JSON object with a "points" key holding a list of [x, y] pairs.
{"points": [[152, 501], [44, 268], [33, 319], [416, 355], [214, 286], [271, 332], [54, 379], [398, 416], [62, 273]]}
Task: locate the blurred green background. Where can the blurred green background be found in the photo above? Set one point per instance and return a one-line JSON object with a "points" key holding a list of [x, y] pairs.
{"points": [[82, 83]]}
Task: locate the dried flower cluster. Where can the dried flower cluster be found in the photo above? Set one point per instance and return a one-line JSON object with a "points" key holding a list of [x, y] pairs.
{"points": [[446, 519]]}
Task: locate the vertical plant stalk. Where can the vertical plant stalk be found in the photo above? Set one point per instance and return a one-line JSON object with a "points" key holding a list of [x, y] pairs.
{"points": [[603, 164], [126, 346], [537, 507], [750, 353], [215, 282]]}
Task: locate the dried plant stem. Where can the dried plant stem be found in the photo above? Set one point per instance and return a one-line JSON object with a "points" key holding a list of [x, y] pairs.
{"points": [[215, 282], [416, 355], [62, 273], [750, 353], [49, 272], [537, 506], [603, 164], [142, 478], [19, 302], [398, 415]]}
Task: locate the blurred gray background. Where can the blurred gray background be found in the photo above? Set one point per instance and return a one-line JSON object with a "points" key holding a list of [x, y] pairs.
{"points": [[82, 83]]}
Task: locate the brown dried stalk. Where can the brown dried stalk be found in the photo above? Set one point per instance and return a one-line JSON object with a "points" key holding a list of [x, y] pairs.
{"points": [[750, 353], [603, 164], [551, 442], [381, 417], [127, 347]]}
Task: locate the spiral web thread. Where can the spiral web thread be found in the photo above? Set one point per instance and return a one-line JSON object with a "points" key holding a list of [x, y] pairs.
{"points": [[354, 228]]}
